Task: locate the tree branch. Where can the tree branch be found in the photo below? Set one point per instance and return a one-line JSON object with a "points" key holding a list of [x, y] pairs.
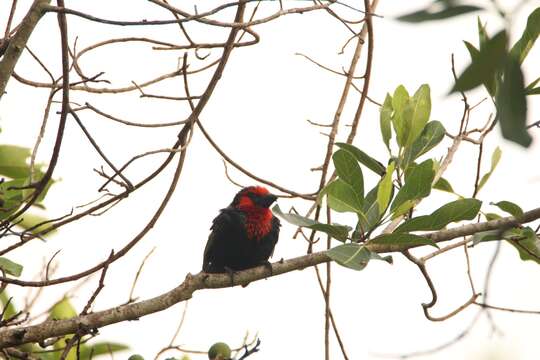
{"points": [[181, 142], [18, 42], [200, 281]]}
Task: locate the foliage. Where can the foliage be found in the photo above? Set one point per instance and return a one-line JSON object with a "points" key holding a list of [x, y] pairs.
{"points": [[16, 171], [379, 196], [16, 175], [405, 182], [494, 64], [401, 186]]}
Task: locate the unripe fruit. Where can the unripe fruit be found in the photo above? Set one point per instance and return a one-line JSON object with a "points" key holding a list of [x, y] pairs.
{"points": [[135, 357], [219, 351]]}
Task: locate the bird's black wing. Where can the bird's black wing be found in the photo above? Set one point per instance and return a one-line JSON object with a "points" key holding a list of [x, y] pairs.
{"points": [[227, 222], [274, 233]]}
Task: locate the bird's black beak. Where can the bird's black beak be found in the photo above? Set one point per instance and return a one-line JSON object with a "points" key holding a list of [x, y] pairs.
{"points": [[267, 200]]}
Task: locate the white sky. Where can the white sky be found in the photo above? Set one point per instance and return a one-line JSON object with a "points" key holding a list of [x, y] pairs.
{"points": [[258, 115]]}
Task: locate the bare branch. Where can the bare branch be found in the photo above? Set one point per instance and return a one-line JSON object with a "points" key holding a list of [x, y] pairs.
{"points": [[192, 283], [18, 42]]}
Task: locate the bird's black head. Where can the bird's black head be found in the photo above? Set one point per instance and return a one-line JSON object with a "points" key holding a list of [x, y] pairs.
{"points": [[252, 198]]}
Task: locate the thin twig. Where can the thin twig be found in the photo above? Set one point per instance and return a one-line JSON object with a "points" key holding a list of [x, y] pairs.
{"points": [[130, 298]]}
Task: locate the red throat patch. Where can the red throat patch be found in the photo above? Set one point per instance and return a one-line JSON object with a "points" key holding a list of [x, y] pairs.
{"points": [[258, 223], [258, 219]]}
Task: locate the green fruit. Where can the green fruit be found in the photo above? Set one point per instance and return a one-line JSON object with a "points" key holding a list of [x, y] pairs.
{"points": [[219, 351], [135, 357]]}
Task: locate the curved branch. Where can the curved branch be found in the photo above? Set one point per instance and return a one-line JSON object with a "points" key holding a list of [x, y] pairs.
{"points": [[105, 90], [126, 122], [192, 283], [367, 75], [182, 137], [248, 173], [190, 17], [434, 296]]}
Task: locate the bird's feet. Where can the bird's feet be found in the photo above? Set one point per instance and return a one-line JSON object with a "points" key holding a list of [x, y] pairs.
{"points": [[205, 277], [230, 272], [268, 266]]}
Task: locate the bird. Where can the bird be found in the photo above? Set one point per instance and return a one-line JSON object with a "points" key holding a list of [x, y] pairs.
{"points": [[244, 234]]}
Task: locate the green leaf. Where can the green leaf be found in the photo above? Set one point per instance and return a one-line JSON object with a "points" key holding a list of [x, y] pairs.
{"points": [[10, 199], [484, 236], [473, 51], [430, 13], [341, 197], [402, 209], [421, 109], [400, 98], [417, 184], [512, 105], [509, 207], [13, 161], [101, 348], [11, 310], [349, 171], [483, 68], [355, 256], [62, 310], [371, 198], [495, 158], [483, 37], [371, 219], [534, 91], [384, 190], [464, 209], [402, 114], [338, 232], [531, 86], [402, 239], [376, 166], [526, 243], [10, 267], [41, 197], [430, 137], [60, 345], [443, 185], [512, 235], [492, 216], [29, 220], [371, 210], [522, 47], [385, 120], [516, 233]]}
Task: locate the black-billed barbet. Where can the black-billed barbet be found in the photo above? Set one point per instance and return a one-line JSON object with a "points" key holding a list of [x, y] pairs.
{"points": [[244, 234]]}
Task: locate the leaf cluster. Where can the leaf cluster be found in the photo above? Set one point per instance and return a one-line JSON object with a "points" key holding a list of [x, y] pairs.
{"points": [[16, 176], [407, 178], [495, 64]]}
